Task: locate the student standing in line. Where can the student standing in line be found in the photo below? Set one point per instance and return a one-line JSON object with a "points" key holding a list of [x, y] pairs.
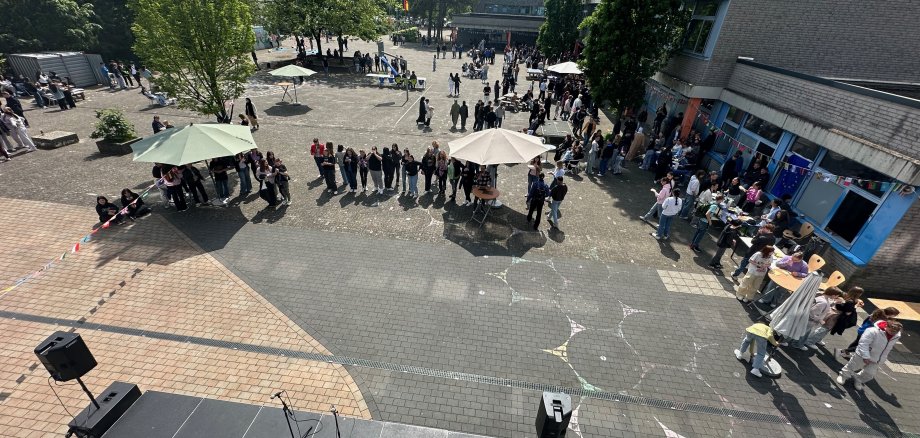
{"points": [[669, 209], [329, 171], [556, 195], [362, 169]]}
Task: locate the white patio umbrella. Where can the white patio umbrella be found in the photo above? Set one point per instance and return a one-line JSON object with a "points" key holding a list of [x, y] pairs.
{"points": [[497, 146], [790, 319], [292, 71], [566, 68]]}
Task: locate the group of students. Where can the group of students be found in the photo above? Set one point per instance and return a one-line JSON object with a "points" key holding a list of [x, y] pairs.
{"points": [[834, 311]]}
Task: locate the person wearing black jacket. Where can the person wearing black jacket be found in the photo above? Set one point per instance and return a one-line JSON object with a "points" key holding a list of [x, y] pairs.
{"points": [[412, 167], [375, 165], [329, 172], [536, 197], [133, 203], [477, 116], [428, 166], [464, 113], [387, 164], [763, 238], [191, 181], [726, 240], [556, 195], [107, 210], [396, 162], [467, 178]]}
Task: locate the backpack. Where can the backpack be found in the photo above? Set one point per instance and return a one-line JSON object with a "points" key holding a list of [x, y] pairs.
{"points": [[702, 209]]}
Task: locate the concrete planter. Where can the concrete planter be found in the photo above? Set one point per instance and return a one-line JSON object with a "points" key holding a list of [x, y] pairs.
{"points": [[111, 148], [55, 139]]}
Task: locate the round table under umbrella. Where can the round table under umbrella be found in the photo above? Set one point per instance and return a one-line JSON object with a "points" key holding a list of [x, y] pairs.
{"points": [[497, 146], [292, 71]]}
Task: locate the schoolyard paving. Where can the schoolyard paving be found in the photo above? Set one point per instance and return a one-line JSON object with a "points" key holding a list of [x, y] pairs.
{"points": [[438, 323]]}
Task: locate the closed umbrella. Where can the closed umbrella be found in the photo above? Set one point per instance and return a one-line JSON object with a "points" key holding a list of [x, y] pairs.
{"points": [[193, 143], [790, 319], [566, 68], [497, 146], [292, 71]]}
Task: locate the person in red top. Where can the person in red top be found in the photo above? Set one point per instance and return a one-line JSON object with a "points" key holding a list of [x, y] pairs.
{"points": [[318, 151]]}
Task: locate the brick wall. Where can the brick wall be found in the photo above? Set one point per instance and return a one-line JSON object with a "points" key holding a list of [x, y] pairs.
{"points": [[893, 126], [828, 38], [895, 268]]}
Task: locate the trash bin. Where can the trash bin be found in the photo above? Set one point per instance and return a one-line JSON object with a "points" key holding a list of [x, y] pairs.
{"points": [[554, 415]]}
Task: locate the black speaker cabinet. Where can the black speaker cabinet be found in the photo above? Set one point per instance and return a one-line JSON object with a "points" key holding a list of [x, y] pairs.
{"points": [[94, 422], [554, 415], [65, 356]]}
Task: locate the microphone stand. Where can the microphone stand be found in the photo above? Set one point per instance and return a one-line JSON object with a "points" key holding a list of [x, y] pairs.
{"points": [[335, 414], [285, 410]]}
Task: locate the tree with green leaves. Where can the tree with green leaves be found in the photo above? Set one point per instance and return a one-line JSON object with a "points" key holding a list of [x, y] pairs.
{"points": [[39, 25], [199, 48], [560, 30], [627, 42], [115, 37], [364, 19]]}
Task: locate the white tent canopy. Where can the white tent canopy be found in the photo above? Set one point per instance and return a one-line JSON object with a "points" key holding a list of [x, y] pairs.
{"points": [[566, 68], [497, 146]]}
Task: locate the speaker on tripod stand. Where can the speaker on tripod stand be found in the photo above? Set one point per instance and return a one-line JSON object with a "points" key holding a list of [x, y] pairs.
{"points": [[66, 357]]}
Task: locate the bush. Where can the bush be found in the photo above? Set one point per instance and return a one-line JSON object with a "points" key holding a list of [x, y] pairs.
{"points": [[113, 126], [410, 33]]}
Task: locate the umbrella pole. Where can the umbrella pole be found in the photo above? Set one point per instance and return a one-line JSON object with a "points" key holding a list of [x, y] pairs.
{"points": [[213, 182], [295, 95]]}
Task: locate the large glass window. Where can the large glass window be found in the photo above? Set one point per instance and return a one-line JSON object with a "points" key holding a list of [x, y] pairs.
{"points": [[839, 165], [723, 143], [763, 128], [700, 29], [851, 216], [735, 115], [805, 149], [818, 199]]}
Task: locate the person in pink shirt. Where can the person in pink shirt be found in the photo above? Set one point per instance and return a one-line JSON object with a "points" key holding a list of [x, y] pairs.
{"points": [[660, 196]]}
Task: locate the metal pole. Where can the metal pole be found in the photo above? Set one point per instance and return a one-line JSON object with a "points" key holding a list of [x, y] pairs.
{"points": [[92, 398]]}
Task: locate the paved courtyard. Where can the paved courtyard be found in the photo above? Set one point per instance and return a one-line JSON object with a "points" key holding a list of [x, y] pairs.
{"points": [[394, 309]]}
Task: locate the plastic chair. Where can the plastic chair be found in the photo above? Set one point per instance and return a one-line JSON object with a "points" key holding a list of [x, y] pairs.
{"points": [[815, 262], [804, 231], [835, 279]]}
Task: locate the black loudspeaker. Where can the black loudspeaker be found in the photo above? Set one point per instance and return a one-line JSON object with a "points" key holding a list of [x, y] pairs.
{"points": [[94, 422], [554, 415], [65, 356]]}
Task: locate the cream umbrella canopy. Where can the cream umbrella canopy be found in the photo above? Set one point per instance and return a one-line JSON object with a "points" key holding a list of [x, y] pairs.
{"points": [[497, 146], [292, 71], [193, 143], [566, 68]]}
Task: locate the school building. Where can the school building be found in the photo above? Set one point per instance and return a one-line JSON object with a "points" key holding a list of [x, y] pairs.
{"points": [[828, 94]]}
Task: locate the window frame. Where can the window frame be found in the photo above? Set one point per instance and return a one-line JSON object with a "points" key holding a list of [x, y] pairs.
{"points": [[713, 35], [878, 200]]}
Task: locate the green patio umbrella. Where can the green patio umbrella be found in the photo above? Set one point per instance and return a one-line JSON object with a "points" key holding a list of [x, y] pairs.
{"points": [[292, 71], [193, 143]]}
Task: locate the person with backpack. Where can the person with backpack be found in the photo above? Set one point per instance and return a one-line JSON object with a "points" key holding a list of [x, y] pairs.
{"points": [[705, 213], [726, 240], [556, 195], [536, 197]]}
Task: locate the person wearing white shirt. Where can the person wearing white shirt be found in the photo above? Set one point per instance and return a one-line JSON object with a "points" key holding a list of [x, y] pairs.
{"points": [[576, 105], [669, 208], [693, 189], [592, 155]]}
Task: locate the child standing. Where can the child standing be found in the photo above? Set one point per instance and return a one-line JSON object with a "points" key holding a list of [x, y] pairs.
{"points": [[758, 265]]}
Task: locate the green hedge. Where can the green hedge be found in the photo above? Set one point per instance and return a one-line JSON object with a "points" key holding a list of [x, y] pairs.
{"points": [[410, 33]]}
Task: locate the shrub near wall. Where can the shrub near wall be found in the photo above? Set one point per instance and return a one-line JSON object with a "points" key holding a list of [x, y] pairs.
{"points": [[410, 34]]}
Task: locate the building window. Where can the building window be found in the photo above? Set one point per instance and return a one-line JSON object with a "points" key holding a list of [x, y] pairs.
{"points": [[764, 129], [805, 149], [735, 115], [818, 199], [702, 27], [839, 165], [851, 216]]}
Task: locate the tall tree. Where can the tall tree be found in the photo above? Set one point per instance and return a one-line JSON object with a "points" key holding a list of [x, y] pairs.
{"points": [[198, 47], [560, 30], [38, 25], [115, 37], [628, 41]]}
